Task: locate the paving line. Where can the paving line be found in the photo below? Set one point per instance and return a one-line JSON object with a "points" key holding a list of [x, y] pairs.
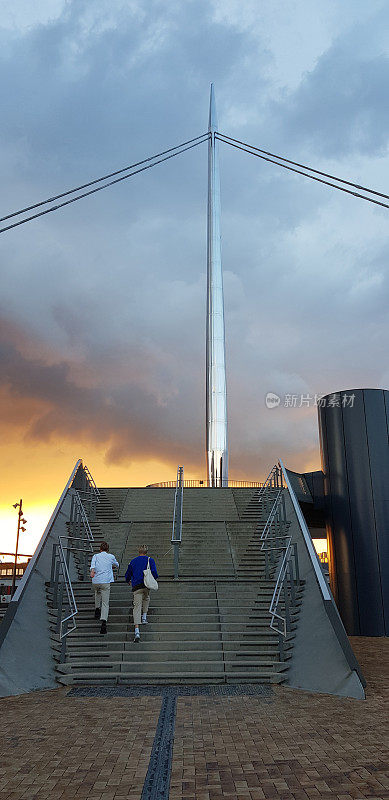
{"points": [[157, 781]]}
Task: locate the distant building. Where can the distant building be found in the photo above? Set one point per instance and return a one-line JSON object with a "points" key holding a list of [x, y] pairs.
{"points": [[6, 573]]}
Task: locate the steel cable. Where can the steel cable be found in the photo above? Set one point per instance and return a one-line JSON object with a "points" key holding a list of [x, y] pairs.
{"points": [[255, 151], [155, 160]]}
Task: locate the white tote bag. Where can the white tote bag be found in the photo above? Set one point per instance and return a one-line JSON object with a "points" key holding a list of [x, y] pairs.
{"points": [[149, 580]]}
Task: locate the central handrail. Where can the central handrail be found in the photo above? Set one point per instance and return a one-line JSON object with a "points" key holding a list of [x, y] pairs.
{"points": [[177, 517]]}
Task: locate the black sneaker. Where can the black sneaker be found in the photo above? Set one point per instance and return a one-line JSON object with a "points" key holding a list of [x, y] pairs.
{"points": [[137, 638], [103, 628], [97, 613]]}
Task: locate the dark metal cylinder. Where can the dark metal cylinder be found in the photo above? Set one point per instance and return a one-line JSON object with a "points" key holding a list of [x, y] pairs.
{"points": [[354, 445]]}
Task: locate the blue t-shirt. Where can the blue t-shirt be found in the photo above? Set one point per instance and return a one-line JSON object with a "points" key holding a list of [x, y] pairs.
{"points": [[135, 571]]}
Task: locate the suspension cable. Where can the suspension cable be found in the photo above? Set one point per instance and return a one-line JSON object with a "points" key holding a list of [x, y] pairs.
{"points": [[179, 149], [304, 166], [255, 151]]}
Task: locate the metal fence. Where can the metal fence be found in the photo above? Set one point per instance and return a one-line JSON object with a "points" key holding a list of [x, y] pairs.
{"points": [[198, 484]]}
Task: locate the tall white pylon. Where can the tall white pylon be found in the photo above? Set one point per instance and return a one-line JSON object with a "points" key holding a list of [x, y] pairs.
{"points": [[216, 391]]}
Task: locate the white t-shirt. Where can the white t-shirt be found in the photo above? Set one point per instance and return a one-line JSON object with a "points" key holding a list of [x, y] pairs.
{"points": [[102, 564]]}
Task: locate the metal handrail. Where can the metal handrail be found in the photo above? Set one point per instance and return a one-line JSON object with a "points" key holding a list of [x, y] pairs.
{"points": [[272, 481], [70, 595], [91, 481], [177, 517], [205, 484], [278, 547], [60, 567], [84, 517], [288, 577], [326, 594], [271, 518]]}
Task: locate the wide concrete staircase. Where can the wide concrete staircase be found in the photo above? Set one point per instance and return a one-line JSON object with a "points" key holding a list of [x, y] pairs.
{"points": [[212, 625]]}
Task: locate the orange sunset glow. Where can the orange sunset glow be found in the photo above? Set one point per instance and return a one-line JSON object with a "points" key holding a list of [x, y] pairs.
{"points": [[38, 473]]}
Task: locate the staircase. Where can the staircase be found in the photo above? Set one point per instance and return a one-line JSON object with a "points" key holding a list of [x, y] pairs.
{"points": [[210, 626]]}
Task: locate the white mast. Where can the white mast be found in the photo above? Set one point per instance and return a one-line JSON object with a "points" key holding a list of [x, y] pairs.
{"points": [[216, 393]]}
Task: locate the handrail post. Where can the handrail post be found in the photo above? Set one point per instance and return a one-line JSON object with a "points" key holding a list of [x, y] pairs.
{"points": [[296, 563], [176, 558], [56, 580], [287, 609], [177, 518], [292, 584], [85, 554], [59, 609], [53, 562], [62, 654], [281, 646]]}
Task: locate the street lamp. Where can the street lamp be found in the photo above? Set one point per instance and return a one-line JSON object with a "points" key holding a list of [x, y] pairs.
{"points": [[21, 522]]}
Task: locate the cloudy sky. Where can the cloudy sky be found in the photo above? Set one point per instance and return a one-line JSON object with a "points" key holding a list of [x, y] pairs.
{"points": [[102, 306]]}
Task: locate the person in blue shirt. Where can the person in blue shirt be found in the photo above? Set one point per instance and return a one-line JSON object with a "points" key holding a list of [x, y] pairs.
{"points": [[135, 575]]}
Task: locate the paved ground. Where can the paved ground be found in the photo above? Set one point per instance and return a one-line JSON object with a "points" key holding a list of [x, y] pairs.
{"points": [[52, 746], [292, 746]]}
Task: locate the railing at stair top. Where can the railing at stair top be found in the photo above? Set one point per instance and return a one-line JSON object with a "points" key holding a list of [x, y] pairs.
{"points": [[91, 481], [197, 483], [90, 494], [177, 518], [280, 554]]}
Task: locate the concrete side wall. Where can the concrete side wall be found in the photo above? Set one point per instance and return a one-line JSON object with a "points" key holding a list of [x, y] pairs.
{"points": [[318, 663], [26, 657]]}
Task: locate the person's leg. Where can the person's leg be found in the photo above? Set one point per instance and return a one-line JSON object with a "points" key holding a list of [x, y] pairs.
{"points": [[105, 592], [145, 604], [97, 595], [138, 594]]}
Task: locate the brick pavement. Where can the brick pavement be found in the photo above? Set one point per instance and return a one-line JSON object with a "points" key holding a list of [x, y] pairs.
{"points": [[292, 746], [53, 746]]}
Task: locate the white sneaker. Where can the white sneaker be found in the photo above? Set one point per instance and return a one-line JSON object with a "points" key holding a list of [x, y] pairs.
{"points": [[144, 620], [137, 638]]}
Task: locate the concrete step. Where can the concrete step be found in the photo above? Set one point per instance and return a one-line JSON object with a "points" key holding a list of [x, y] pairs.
{"points": [[130, 679], [141, 665], [108, 649], [118, 640]]}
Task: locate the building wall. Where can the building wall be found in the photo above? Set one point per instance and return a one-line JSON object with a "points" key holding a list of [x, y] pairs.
{"points": [[354, 443]]}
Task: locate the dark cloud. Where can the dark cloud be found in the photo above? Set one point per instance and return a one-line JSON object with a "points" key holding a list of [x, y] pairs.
{"points": [[340, 106], [107, 298]]}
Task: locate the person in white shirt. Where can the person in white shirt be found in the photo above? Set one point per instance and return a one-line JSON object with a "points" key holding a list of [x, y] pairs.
{"points": [[102, 576]]}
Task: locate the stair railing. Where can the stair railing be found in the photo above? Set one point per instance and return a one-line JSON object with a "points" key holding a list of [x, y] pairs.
{"points": [[325, 592], [287, 580], [91, 481], [177, 518], [90, 494], [280, 554], [273, 481], [79, 543]]}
